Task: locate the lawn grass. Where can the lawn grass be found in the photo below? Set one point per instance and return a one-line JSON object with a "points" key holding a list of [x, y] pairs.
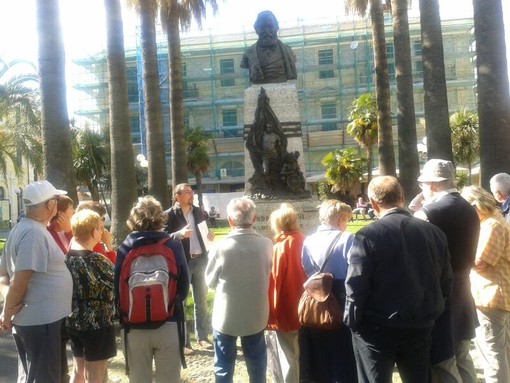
{"points": [[220, 231]]}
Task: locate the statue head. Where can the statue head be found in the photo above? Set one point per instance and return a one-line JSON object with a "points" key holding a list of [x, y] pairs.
{"points": [[267, 28]]}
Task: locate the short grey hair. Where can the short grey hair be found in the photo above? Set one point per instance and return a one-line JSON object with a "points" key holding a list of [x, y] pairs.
{"points": [[500, 183], [332, 210], [241, 211]]}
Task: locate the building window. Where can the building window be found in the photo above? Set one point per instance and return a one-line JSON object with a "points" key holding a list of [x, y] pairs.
{"points": [[136, 134], [326, 58], [418, 63], [328, 111], [132, 84], [390, 56], [227, 68], [2, 193], [229, 117]]}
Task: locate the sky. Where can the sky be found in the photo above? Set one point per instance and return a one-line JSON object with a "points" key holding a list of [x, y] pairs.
{"points": [[83, 21]]}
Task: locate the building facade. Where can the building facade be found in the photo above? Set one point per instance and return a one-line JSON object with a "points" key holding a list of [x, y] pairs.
{"points": [[335, 65]]}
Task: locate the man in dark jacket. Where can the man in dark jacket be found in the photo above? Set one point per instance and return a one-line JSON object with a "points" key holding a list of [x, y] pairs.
{"points": [[397, 282], [452, 334], [183, 224]]}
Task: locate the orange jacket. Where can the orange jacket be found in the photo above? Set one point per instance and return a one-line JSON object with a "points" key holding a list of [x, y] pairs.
{"points": [[286, 282]]}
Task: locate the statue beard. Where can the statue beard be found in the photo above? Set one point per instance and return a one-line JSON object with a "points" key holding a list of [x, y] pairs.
{"points": [[268, 40]]}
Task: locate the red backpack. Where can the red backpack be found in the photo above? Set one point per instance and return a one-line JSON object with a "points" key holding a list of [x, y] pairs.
{"points": [[148, 285]]}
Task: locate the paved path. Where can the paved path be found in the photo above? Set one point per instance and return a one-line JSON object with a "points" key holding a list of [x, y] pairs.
{"points": [[8, 359]]}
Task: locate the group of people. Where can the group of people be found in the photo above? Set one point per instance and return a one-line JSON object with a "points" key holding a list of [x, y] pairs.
{"points": [[418, 285]]}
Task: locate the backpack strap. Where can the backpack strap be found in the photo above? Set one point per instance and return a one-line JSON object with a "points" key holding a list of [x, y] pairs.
{"points": [[330, 250]]}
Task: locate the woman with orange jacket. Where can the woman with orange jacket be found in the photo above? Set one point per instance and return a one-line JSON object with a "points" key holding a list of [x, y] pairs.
{"points": [[285, 288]]}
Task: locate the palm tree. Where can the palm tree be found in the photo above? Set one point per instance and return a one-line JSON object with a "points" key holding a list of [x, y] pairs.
{"points": [[465, 138], [409, 164], [344, 168], [20, 120], [176, 14], [382, 81], [122, 159], [91, 155], [363, 125], [58, 163], [492, 87], [198, 161], [157, 169], [439, 140]]}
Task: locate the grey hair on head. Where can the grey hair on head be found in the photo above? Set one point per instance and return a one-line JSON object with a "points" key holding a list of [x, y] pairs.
{"points": [[241, 212]]}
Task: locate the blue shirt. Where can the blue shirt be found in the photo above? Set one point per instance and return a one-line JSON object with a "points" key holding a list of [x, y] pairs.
{"points": [[316, 246]]}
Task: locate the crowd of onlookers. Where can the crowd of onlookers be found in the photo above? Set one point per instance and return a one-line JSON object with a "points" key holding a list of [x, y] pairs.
{"points": [[418, 286]]}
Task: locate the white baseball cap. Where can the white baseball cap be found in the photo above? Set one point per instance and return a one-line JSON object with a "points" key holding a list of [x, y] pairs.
{"points": [[40, 191]]}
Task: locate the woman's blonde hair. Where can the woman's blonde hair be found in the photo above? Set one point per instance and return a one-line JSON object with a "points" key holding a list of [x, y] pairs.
{"points": [[481, 199], [84, 223], [147, 215], [284, 219]]}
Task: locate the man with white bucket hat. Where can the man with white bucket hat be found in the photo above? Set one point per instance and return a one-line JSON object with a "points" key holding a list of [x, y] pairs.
{"points": [[454, 329]]}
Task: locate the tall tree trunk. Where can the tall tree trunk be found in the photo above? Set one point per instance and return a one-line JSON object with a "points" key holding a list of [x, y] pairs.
{"points": [[409, 164], [158, 186], [492, 87], [58, 161], [439, 139], [382, 81], [178, 148], [122, 158]]}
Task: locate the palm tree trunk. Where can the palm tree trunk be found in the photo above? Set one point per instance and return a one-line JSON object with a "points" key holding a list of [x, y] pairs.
{"points": [[122, 158], [179, 170], [382, 80], [492, 87], [439, 140], [157, 173], [58, 162], [198, 179], [409, 164]]}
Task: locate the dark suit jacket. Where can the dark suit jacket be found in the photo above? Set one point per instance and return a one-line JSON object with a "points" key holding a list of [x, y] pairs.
{"points": [[176, 222], [399, 273], [459, 221]]}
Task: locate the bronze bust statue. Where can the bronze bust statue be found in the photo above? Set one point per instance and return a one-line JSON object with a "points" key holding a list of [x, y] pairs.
{"points": [[269, 60]]}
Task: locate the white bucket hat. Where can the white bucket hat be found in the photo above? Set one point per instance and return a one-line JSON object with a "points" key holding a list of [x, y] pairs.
{"points": [[437, 170]]}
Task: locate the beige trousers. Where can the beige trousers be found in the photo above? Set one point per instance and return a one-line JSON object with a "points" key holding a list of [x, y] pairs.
{"points": [[160, 345]]}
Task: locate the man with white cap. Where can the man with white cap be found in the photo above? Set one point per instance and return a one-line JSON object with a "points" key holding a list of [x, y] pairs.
{"points": [[37, 287], [454, 329]]}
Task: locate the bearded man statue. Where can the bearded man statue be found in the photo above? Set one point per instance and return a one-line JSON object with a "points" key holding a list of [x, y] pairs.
{"points": [[269, 60]]}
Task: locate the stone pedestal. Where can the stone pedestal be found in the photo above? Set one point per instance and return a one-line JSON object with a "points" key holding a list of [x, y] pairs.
{"points": [[307, 209], [284, 102]]}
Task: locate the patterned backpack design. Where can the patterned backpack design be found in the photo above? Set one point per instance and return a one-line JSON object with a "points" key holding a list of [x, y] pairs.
{"points": [[148, 285]]}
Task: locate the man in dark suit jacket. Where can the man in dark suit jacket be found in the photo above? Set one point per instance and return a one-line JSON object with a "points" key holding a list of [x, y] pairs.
{"points": [[452, 334], [182, 224], [398, 279]]}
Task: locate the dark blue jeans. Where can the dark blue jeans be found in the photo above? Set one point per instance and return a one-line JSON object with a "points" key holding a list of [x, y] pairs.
{"points": [[39, 352], [377, 349], [254, 350]]}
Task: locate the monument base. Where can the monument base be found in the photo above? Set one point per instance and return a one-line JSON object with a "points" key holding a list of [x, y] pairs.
{"points": [[307, 210]]}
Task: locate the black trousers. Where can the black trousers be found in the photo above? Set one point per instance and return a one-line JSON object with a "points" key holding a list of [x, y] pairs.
{"points": [[377, 349]]}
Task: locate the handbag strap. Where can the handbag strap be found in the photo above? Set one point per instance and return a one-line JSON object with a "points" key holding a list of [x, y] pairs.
{"points": [[330, 250]]}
